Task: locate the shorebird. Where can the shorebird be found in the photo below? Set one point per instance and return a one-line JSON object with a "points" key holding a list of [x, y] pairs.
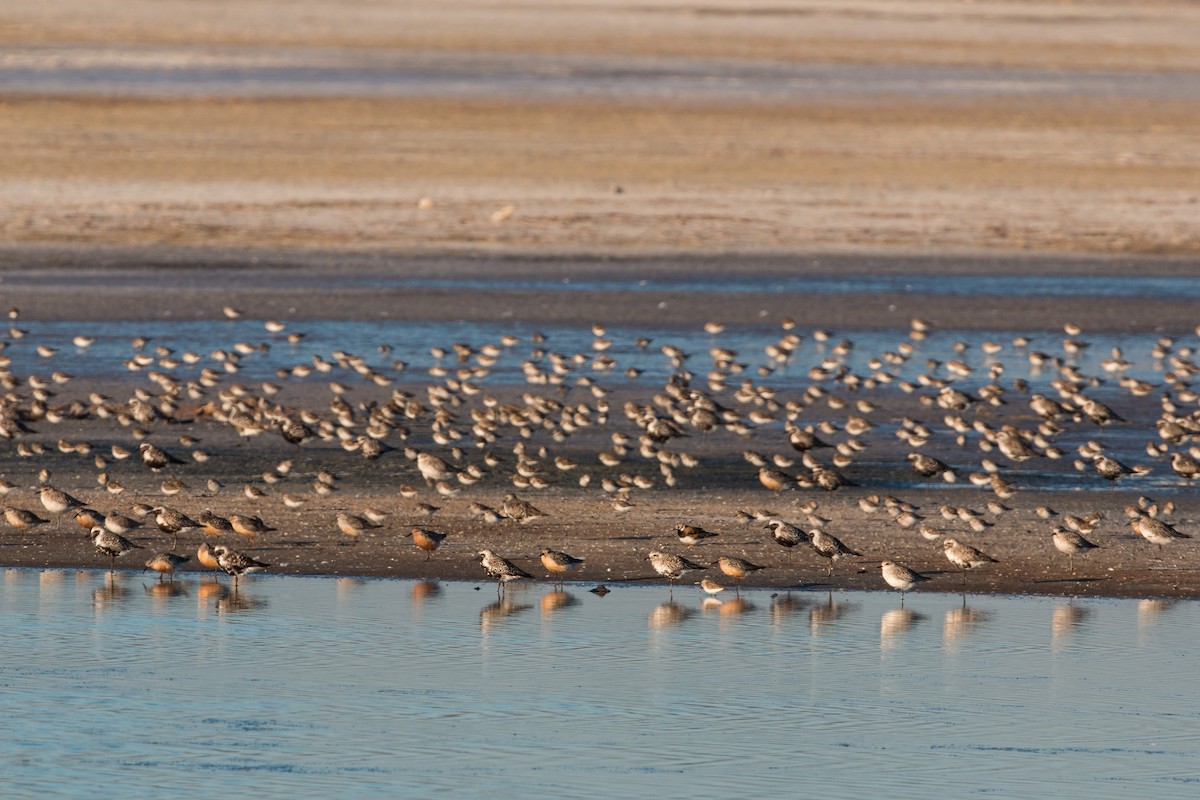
{"points": [[427, 540], [156, 458], [248, 526], [736, 568], [353, 525], [166, 563], [691, 535], [965, 556], [710, 586], [672, 567], [500, 568], [88, 518], [522, 511], [434, 469], [21, 519], [56, 501], [1071, 543], [1156, 531], [214, 524], [784, 534], [829, 546], [174, 522], [206, 557], [111, 544], [901, 577], [235, 563], [120, 524], [775, 480], [559, 563], [928, 467]]}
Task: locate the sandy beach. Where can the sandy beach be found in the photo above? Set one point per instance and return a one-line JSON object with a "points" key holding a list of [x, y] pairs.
{"points": [[380, 164]]}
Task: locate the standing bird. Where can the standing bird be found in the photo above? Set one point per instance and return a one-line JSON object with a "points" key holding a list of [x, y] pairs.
{"points": [[901, 577], [559, 563], [353, 525], [928, 467], [690, 534], [672, 567], [166, 563], [1156, 531], [214, 524], [434, 469], [775, 480], [111, 544], [22, 519], [500, 568], [156, 458], [829, 546], [522, 511], [56, 501], [427, 540], [174, 522], [784, 534], [248, 526], [235, 563], [965, 556], [206, 557], [1071, 543], [736, 568]]}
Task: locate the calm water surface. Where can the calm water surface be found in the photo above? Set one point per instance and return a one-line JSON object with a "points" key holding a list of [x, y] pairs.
{"points": [[312, 686]]}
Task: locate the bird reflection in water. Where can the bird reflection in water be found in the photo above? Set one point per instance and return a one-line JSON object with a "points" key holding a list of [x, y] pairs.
{"points": [[784, 606], [895, 622], [1064, 620], [961, 621], [209, 589], [165, 590], [555, 600], [235, 601], [495, 613], [424, 590], [736, 606], [669, 614], [825, 614], [1149, 611], [109, 593], [346, 587], [51, 577], [226, 599]]}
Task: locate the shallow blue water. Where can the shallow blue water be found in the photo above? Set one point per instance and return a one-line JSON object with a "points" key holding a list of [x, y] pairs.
{"points": [[310, 686], [410, 342]]}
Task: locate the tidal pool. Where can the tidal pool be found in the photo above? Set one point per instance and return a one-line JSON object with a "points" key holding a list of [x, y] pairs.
{"points": [[310, 687]]}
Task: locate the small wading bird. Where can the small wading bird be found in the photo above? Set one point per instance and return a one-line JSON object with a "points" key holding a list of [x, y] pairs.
{"points": [[672, 567], [235, 563], [901, 577], [501, 569], [427, 540], [111, 544], [1071, 544], [165, 564], [559, 563]]}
